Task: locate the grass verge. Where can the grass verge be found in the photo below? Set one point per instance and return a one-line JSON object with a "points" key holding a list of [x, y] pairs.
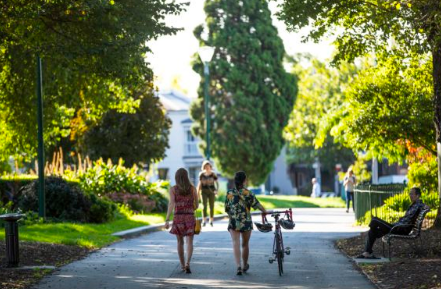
{"points": [[273, 202], [85, 235]]}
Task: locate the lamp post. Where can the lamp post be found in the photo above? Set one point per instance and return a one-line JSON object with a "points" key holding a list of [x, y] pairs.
{"points": [[206, 53], [41, 192]]}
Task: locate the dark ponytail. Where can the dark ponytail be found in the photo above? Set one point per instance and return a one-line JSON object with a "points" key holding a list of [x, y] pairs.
{"points": [[239, 179]]}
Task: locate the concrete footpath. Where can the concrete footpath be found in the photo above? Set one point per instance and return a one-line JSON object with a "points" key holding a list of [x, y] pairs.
{"points": [[151, 261]]}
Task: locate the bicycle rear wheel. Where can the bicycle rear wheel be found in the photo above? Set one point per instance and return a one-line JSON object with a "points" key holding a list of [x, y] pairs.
{"points": [[279, 254]]}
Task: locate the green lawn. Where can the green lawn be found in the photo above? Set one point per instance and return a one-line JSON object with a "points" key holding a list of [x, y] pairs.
{"points": [[86, 235], [272, 202]]}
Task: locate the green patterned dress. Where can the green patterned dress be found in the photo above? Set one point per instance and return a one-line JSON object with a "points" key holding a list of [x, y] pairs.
{"points": [[237, 206]]}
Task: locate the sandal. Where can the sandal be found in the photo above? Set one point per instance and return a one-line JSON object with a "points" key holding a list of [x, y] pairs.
{"points": [[187, 269], [246, 267], [182, 268], [239, 271]]}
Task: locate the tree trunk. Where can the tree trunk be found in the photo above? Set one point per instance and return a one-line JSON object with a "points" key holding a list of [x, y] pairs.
{"points": [[436, 54]]}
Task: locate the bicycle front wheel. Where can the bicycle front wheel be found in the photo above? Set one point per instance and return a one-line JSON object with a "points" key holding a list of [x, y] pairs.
{"points": [[279, 254]]}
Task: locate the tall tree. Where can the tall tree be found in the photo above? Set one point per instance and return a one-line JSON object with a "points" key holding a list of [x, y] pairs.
{"points": [[321, 89], [138, 138], [93, 60], [413, 25], [251, 93]]}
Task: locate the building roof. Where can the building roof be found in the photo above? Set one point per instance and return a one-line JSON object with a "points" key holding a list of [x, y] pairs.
{"points": [[174, 100], [188, 120]]}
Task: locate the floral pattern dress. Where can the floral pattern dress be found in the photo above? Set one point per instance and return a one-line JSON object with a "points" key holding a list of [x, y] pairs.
{"points": [[183, 219], [237, 205]]}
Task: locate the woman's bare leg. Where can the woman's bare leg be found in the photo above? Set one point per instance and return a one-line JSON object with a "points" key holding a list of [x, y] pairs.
{"points": [[189, 248], [245, 246], [235, 237], [181, 250]]}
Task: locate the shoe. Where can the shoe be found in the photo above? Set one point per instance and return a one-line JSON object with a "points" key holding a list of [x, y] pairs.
{"points": [[246, 267], [347, 211], [182, 268], [371, 256], [211, 224], [203, 224], [187, 269], [239, 271]]}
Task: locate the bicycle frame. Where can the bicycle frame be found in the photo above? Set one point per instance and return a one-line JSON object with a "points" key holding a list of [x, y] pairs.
{"points": [[278, 248]]}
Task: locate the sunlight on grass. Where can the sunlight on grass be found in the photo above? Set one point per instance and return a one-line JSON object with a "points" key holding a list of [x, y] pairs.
{"points": [[85, 235], [272, 202]]}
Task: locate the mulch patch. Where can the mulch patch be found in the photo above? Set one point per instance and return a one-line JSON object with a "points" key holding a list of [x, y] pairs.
{"points": [[413, 266], [36, 254]]}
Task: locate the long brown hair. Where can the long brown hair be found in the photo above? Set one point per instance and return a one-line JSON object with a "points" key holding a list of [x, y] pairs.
{"points": [[183, 182]]}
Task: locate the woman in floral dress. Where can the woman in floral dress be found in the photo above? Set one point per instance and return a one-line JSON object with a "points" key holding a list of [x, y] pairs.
{"points": [[183, 202], [238, 203]]}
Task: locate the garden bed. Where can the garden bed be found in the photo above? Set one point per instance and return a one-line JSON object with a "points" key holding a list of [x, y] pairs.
{"points": [[36, 254], [411, 268]]}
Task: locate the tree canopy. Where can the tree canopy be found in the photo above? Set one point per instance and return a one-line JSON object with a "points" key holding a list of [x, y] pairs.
{"points": [[387, 106], [360, 27], [93, 60], [138, 138], [321, 89], [251, 93]]}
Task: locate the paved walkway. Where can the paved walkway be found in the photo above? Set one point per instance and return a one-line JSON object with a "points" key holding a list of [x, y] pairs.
{"points": [[151, 261]]}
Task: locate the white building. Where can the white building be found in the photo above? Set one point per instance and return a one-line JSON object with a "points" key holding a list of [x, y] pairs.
{"points": [[183, 147]]}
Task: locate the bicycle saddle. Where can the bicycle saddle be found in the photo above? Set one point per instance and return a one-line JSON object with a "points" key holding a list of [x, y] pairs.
{"points": [[264, 228]]}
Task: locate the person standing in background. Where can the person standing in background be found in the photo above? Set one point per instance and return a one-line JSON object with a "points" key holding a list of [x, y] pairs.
{"points": [[207, 188], [349, 183], [316, 191]]}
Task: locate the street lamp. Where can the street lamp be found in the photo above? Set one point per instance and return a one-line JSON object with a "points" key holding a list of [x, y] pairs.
{"points": [[206, 53]]}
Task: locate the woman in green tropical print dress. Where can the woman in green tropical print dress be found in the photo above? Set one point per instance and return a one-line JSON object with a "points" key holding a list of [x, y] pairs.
{"points": [[238, 203]]}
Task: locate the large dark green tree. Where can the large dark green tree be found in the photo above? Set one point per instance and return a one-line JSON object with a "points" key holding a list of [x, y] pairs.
{"points": [[414, 26], [137, 138], [93, 55], [251, 93]]}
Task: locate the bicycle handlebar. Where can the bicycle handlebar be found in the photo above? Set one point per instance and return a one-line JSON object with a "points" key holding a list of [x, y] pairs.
{"points": [[286, 212]]}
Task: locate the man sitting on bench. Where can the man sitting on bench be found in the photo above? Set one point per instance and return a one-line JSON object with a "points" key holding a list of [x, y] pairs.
{"points": [[379, 228]]}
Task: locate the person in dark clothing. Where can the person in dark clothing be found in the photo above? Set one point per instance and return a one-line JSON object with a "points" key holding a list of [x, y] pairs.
{"points": [[379, 227], [207, 190]]}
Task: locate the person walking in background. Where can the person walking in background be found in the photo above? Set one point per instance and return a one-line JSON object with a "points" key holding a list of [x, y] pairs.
{"points": [[207, 189], [316, 191], [238, 203], [349, 183], [183, 202]]}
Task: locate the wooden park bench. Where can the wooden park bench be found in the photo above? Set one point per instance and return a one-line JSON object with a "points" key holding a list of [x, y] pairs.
{"points": [[413, 235]]}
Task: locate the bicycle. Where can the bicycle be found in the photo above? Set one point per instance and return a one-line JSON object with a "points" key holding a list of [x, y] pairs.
{"points": [[278, 249]]}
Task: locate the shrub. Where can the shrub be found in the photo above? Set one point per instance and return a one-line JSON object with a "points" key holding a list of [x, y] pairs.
{"points": [[398, 202], [104, 179], [136, 202], [424, 174], [161, 202], [10, 187], [395, 207], [101, 210], [65, 201], [125, 186]]}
